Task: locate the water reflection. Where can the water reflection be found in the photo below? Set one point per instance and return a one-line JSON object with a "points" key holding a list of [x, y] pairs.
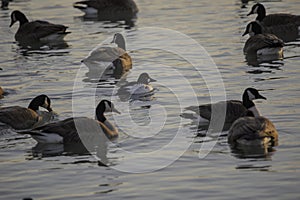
{"points": [[252, 151], [42, 46], [255, 60]]}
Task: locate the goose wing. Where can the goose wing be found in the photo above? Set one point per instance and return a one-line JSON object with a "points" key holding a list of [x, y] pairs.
{"points": [[68, 129], [39, 29], [281, 19], [18, 117], [233, 108], [261, 41], [252, 128], [109, 4]]}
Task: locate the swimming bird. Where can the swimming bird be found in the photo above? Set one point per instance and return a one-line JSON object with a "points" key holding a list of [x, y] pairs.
{"points": [[4, 4], [115, 53], [140, 87], [66, 131], [273, 19], [234, 108], [284, 26], [24, 118], [252, 130], [261, 43], [1, 92], [36, 31], [108, 9]]}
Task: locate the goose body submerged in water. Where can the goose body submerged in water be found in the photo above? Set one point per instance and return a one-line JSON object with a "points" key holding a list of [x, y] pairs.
{"points": [[108, 9], [66, 131], [36, 31], [232, 109], [24, 118], [262, 43]]}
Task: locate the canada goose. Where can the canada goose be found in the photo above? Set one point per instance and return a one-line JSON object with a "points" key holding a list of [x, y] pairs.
{"points": [[23, 118], [273, 19], [138, 88], [234, 108], [1, 92], [37, 31], [4, 4], [251, 130], [114, 9], [261, 43], [66, 131], [114, 53]]}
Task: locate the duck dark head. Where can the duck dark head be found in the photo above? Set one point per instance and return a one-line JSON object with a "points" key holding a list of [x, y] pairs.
{"points": [[253, 28], [41, 100], [144, 78], [105, 106], [18, 16], [119, 40]]}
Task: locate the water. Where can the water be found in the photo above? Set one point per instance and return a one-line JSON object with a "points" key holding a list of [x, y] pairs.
{"points": [[30, 170]]}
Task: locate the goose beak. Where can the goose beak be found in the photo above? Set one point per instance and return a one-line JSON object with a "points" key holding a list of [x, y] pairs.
{"points": [[250, 13], [49, 109], [261, 97], [116, 111], [245, 33], [12, 23]]}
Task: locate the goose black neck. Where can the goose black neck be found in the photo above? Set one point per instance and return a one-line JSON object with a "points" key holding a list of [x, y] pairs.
{"points": [[261, 14], [21, 18], [34, 105], [100, 113], [246, 101]]}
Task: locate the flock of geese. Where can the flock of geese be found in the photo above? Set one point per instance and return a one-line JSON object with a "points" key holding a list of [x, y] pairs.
{"points": [[267, 36]]}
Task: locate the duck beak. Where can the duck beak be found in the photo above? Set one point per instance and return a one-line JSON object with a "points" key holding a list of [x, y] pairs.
{"points": [[152, 80], [116, 111]]}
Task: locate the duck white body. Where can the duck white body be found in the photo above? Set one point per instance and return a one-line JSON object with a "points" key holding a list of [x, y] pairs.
{"points": [[67, 131], [137, 89]]}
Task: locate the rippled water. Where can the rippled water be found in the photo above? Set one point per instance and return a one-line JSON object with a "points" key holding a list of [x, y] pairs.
{"points": [[58, 172]]}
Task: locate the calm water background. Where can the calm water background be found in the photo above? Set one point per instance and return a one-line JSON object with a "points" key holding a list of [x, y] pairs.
{"points": [[217, 26]]}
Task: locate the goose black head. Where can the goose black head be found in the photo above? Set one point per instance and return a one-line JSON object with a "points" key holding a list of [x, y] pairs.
{"points": [[253, 28], [41, 100], [105, 106], [17, 15], [258, 9], [253, 93]]}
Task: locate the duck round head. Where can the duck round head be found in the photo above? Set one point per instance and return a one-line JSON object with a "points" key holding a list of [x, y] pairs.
{"points": [[144, 78], [41, 100], [119, 40], [253, 93]]}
